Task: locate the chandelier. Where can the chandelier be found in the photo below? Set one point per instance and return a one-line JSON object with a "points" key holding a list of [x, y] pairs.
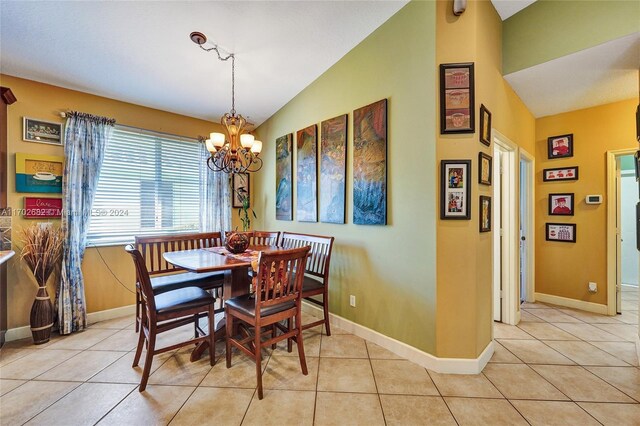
{"points": [[236, 152]]}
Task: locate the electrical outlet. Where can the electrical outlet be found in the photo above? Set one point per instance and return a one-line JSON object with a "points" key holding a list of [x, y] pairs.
{"points": [[352, 301], [593, 287]]}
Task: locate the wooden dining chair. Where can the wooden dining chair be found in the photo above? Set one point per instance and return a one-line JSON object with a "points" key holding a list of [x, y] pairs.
{"points": [[259, 238], [166, 311], [277, 298], [316, 278]]}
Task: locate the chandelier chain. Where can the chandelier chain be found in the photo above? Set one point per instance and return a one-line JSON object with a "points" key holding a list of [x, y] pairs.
{"points": [[233, 72]]}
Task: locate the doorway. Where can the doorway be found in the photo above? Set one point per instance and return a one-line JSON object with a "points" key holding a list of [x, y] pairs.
{"points": [[527, 226]]}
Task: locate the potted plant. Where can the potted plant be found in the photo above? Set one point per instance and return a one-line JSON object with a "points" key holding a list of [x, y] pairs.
{"points": [[42, 252]]}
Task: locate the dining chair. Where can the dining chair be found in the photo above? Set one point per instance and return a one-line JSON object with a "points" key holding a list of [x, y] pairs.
{"points": [[316, 277], [259, 238], [166, 311], [277, 298]]}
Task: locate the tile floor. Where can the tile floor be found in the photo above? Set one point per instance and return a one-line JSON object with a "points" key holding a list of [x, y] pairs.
{"points": [[558, 367]]}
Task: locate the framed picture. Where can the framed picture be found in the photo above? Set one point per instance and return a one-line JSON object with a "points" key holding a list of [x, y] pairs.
{"points": [[455, 189], [241, 189], [41, 131], [40, 207], [485, 125], [39, 173], [561, 173], [457, 104], [284, 177], [563, 232], [561, 204], [560, 146], [485, 213], [307, 174], [485, 168], [333, 169]]}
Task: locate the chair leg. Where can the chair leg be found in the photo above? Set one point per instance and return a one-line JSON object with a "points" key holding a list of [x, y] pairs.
{"points": [[136, 358], [212, 335], [148, 360], [229, 326], [273, 336], [325, 308], [138, 310], [303, 359], [195, 325], [258, 359], [289, 341]]}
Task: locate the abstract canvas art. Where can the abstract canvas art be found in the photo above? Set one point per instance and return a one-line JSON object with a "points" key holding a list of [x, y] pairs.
{"points": [[307, 171], [370, 164], [284, 177], [333, 154]]}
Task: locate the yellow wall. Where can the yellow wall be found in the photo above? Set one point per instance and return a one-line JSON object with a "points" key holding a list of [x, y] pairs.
{"points": [[43, 101], [564, 269]]}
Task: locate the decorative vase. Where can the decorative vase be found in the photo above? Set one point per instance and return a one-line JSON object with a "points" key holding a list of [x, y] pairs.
{"points": [[237, 242], [41, 316]]}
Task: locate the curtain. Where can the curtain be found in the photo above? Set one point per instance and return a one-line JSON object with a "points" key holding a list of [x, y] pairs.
{"points": [[215, 197], [85, 140]]}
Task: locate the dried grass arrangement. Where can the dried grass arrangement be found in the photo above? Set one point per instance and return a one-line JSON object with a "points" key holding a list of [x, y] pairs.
{"points": [[42, 252]]}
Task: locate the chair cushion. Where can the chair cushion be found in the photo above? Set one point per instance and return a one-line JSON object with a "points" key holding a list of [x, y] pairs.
{"points": [[186, 279], [183, 298], [312, 285], [247, 305]]}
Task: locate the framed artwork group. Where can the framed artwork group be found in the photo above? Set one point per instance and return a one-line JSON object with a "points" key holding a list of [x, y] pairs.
{"points": [[560, 204]]}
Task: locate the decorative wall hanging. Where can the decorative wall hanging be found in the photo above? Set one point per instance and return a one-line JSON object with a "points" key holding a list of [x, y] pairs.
{"points": [[307, 174], [485, 213], [34, 130], [560, 173], [485, 168], [333, 168], [39, 173], [560, 146], [241, 190], [370, 164], [457, 104], [561, 204], [39, 207], [455, 189], [284, 177], [563, 232], [485, 125]]}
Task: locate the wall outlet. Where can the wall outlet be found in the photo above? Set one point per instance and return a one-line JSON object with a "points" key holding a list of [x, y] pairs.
{"points": [[352, 301], [593, 287]]}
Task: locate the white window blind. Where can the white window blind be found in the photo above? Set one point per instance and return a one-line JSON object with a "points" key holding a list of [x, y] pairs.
{"points": [[149, 185]]}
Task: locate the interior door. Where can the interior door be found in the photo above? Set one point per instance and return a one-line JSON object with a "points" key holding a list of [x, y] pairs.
{"points": [[618, 242], [497, 235]]}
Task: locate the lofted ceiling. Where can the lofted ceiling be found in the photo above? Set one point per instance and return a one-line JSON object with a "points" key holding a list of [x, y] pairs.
{"points": [[140, 52], [508, 8]]}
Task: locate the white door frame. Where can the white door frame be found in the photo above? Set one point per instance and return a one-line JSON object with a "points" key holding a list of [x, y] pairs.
{"points": [[613, 233], [529, 219], [510, 235]]}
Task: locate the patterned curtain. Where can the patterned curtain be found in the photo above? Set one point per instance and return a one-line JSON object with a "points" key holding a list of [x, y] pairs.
{"points": [[85, 140], [215, 197]]}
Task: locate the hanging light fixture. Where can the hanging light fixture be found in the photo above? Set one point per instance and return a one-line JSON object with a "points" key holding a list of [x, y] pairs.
{"points": [[236, 152]]}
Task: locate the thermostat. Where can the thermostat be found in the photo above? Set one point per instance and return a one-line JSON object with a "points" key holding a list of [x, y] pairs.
{"points": [[593, 199]]}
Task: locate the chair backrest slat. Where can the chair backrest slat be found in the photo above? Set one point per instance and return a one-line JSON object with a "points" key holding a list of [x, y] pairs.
{"points": [[319, 255], [277, 280], [259, 238]]}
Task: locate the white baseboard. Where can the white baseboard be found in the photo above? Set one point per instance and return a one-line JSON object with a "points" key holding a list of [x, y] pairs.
{"points": [[572, 303], [92, 318], [424, 359]]}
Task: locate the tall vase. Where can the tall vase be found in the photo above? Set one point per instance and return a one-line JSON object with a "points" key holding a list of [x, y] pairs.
{"points": [[41, 316]]}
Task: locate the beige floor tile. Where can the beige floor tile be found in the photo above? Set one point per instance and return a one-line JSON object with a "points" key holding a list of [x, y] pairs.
{"points": [[81, 367], [535, 352], [28, 343], [403, 410], [629, 305], [535, 305], [546, 331], [31, 398], [378, 352], [626, 379], [505, 331], [553, 315], [343, 346], [270, 411], [116, 323], [85, 405], [402, 377], [625, 351], [554, 413], [464, 385], [628, 317], [35, 363], [579, 384], [587, 332], [519, 381], [8, 355], [626, 331], [124, 340], [525, 316], [7, 385], [214, 406], [156, 405], [346, 375], [179, 370], [502, 355], [614, 414], [284, 372], [241, 374], [583, 353], [337, 409], [83, 339], [121, 371], [310, 341], [588, 317], [479, 411]]}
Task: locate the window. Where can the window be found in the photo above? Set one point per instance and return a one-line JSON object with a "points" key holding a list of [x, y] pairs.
{"points": [[149, 185]]}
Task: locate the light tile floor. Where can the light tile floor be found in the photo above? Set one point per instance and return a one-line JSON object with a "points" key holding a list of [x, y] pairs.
{"points": [[559, 366]]}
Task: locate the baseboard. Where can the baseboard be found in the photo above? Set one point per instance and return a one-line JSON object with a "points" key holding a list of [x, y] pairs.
{"points": [[92, 318], [596, 308], [424, 359]]}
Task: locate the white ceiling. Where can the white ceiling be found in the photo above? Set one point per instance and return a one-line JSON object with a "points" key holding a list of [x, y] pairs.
{"points": [[140, 52], [595, 76], [508, 8]]}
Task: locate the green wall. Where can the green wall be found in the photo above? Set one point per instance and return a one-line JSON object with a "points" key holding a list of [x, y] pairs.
{"points": [[549, 29], [390, 269]]}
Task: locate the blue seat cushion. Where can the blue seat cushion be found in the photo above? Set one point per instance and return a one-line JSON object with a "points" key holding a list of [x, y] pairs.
{"points": [[181, 299], [247, 305], [186, 279]]}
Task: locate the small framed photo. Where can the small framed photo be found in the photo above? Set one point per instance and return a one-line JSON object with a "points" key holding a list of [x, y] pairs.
{"points": [[563, 232], [485, 168], [240, 189], [561, 204], [455, 189], [485, 125], [41, 131], [485, 213], [457, 104], [560, 146], [561, 173]]}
